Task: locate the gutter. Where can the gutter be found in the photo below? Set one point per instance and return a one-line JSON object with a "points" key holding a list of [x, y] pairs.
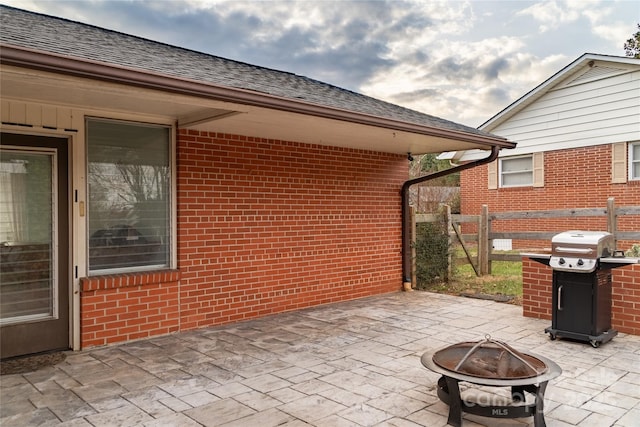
{"points": [[406, 216], [44, 61]]}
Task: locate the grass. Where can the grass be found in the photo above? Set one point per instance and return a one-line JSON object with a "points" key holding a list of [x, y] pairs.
{"points": [[505, 280]]}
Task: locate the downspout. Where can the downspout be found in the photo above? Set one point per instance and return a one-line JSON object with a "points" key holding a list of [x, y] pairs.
{"points": [[406, 216]]}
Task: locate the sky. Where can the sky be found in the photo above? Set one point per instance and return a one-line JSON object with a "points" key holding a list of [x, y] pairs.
{"points": [[463, 61]]}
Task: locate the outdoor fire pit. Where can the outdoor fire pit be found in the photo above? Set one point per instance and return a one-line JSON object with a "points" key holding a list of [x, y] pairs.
{"points": [[495, 364]]}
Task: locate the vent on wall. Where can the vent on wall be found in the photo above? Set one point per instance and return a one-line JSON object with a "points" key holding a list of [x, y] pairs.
{"points": [[594, 73]]}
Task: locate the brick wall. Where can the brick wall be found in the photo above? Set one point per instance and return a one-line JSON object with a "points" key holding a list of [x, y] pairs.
{"points": [[126, 307], [536, 289], [264, 227], [268, 226], [625, 305], [576, 178]]}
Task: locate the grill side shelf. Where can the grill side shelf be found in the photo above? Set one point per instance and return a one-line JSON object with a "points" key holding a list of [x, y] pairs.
{"points": [[605, 263], [614, 262], [541, 258]]}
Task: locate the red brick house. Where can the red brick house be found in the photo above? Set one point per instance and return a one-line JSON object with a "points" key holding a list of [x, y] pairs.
{"points": [[578, 144], [148, 189]]}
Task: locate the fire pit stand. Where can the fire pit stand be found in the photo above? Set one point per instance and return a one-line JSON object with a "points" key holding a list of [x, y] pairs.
{"points": [[449, 391]]}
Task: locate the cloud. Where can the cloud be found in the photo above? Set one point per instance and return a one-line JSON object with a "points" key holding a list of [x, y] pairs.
{"points": [[606, 25], [601, 18], [455, 68], [466, 88], [552, 14], [497, 95]]}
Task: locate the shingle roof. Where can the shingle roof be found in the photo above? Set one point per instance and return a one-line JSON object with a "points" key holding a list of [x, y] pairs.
{"points": [[73, 39]]}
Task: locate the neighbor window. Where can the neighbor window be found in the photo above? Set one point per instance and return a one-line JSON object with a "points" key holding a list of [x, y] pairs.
{"points": [[516, 171], [634, 161], [129, 200]]}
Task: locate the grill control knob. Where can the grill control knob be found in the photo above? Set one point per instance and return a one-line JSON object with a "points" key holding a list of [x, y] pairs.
{"points": [[561, 261], [580, 262]]}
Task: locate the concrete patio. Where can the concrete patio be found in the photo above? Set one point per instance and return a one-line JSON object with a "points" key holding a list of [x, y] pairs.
{"points": [[348, 364]]}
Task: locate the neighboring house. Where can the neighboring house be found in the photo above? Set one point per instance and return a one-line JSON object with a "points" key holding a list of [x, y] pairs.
{"points": [[578, 136], [147, 189], [578, 144]]}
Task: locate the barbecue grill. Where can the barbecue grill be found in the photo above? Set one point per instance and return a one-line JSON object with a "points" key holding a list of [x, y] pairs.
{"points": [[582, 262]]}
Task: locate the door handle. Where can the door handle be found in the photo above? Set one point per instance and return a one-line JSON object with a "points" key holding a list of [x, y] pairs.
{"points": [[560, 297]]}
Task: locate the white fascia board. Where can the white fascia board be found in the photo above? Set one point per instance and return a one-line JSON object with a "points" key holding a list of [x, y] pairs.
{"points": [[471, 155], [448, 155]]}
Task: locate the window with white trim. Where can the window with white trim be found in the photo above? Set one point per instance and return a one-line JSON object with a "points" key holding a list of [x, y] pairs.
{"points": [[516, 171], [129, 196], [634, 161]]}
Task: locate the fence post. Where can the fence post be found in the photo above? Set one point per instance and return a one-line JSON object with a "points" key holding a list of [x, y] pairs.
{"points": [[483, 241], [612, 220], [412, 214], [448, 227]]}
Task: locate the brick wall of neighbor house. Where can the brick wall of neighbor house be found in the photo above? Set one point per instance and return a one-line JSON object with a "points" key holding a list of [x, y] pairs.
{"points": [[264, 227], [625, 305], [576, 178]]}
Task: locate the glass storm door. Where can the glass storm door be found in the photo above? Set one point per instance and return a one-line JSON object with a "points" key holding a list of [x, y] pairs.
{"points": [[34, 251]]}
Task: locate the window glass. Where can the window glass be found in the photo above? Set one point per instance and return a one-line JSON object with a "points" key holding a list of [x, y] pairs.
{"points": [[27, 252], [516, 172], [635, 161], [129, 202]]}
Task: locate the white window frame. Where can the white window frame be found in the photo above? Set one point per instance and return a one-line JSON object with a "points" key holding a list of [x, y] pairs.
{"points": [[633, 161], [173, 227], [501, 173]]}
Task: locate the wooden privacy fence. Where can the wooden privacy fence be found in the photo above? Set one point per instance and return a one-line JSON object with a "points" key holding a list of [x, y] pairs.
{"points": [[483, 238]]}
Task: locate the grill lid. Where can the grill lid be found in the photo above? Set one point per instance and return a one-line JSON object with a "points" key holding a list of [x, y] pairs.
{"points": [[579, 251], [587, 244], [488, 359]]}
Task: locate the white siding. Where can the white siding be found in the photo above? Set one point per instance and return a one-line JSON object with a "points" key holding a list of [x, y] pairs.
{"points": [[582, 112]]}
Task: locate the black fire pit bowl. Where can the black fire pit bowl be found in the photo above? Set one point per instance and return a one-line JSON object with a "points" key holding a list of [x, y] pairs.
{"points": [[495, 364]]}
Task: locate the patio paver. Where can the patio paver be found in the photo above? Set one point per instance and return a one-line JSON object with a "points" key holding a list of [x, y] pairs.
{"points": [[355, 363]]}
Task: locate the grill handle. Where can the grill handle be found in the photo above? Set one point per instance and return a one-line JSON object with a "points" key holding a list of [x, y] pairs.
{"points": [[583, 251], [560, 297]]}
